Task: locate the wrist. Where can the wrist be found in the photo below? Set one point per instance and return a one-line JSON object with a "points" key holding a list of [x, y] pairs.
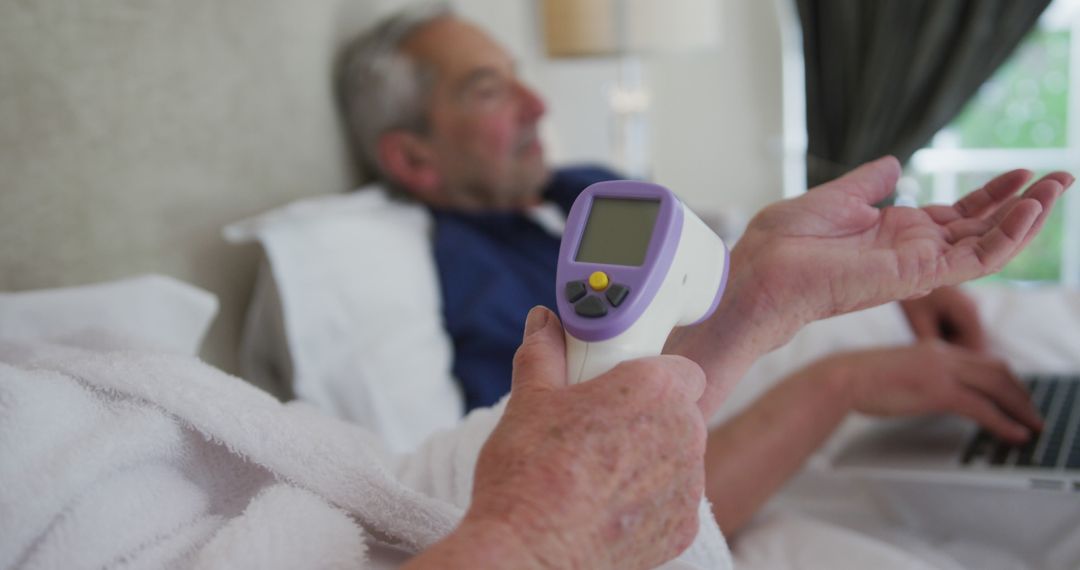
{"points": [[749, 316], [835, 377], [740, 331], [754, 305], [479, 543]]}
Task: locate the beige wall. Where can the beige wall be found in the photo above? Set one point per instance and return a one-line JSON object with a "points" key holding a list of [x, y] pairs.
{"points": [[130, 132]]}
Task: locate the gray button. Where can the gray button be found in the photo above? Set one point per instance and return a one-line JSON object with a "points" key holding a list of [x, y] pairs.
{"points": [[574, 291], [616, 294], [591, 307]]}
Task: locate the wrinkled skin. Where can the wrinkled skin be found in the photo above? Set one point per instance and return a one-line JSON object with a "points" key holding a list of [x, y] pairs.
{"points": [[591, 471]]}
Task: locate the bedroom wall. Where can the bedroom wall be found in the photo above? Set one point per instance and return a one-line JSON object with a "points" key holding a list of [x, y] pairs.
{"points": [[131, 132]]}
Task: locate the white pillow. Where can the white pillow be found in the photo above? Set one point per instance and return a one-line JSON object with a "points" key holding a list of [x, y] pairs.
{"points": [[148, 311], [361, 312]]}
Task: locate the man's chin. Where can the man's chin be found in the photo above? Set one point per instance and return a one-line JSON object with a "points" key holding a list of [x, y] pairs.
{"points": [[534, 184], [531, 149], [516, 191]]}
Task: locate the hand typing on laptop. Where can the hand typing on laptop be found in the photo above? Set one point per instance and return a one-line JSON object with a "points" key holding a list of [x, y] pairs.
{"points": [[936, 377], [755, 452]]}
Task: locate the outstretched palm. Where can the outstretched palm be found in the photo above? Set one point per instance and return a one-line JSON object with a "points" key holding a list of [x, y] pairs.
{"points": [[830, 251]]}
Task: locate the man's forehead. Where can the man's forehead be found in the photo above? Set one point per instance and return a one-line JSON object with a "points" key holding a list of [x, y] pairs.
{"points": [[455, 48]]}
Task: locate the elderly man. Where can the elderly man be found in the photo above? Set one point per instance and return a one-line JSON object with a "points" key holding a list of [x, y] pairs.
{"points": [[438, 113]]}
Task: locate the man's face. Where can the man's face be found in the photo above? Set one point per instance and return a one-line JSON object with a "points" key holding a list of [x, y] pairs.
{"points": [[483, 120]]}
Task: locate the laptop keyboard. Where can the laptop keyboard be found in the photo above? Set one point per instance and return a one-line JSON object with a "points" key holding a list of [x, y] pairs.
{"points": [[1056, 447]]}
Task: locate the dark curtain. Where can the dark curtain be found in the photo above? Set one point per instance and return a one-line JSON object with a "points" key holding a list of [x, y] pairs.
{"points": [[882, 76]]}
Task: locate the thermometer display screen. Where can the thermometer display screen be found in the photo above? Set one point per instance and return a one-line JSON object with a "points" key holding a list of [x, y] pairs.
{"points": [[618, 231]]}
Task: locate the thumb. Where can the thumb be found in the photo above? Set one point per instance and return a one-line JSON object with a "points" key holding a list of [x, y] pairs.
{"points": [[540, 361], [967, 326], [923, 324], [871, 182]]}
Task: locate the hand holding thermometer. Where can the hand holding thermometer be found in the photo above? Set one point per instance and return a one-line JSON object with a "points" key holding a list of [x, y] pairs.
{"points": [[634, 263]]}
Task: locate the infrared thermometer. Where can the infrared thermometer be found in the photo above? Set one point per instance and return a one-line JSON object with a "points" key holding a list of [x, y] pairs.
{"points": [[634, 263]]}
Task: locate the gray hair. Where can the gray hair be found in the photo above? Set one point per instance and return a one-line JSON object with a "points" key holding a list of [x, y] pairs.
{"points": [[380, 88]]}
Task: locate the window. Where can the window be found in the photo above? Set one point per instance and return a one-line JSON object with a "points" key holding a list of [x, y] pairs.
{"points": [[1026, 115]]}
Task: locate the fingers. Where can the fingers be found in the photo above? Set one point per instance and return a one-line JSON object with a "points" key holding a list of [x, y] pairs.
{"points": [[946, 314], [1003, 241], [923, 323], [540, 362], [988, 392], [1063, 178], [689, 378], [1020, 219], [1005, 233], [955, 326], [994, 380], [992, 201], [682, 376], [942, 214], [871, 182], [961, 324], [1046, 192], [993, 193], [974, 405]]}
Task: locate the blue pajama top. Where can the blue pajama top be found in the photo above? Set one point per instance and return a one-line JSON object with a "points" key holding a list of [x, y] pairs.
{"points": [[493, 268]]}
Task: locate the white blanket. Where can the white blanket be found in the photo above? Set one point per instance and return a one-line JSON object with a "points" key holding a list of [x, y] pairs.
{"points": [[130, 459], [149, 460]]}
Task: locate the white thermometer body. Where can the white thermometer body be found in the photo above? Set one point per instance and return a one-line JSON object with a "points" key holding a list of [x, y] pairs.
{"points": [[634, 263]]}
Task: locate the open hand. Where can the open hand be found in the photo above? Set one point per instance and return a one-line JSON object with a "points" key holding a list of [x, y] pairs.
{"points": [[831, 251]]}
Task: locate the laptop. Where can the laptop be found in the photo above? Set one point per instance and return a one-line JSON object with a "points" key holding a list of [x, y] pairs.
{"points": [[952, 449]]}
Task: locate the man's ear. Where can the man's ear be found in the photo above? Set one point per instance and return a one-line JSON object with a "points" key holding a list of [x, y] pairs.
{"points": [[408, 161]]}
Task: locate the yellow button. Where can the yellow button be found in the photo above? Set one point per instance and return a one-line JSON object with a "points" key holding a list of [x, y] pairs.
{"points": [[598, 281]]}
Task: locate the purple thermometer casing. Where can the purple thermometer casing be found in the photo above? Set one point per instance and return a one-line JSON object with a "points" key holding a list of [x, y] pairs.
{"points": [[643, 281]]}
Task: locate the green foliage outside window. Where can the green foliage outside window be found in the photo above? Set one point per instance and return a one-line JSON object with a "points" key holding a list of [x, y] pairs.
{"points": [[1025, 104]]}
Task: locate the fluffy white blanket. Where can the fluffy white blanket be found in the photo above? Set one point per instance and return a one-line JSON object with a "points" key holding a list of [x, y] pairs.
{"points": [[128, 459]]}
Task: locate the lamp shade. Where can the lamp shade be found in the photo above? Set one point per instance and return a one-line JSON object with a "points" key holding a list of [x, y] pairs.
{"points": [[576, 28]]}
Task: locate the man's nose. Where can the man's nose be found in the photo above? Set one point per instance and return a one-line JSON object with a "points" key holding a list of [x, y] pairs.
{"points": [[531, 105]]}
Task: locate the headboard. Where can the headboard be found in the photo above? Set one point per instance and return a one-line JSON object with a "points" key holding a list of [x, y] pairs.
{"points": [[131, 132]]}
